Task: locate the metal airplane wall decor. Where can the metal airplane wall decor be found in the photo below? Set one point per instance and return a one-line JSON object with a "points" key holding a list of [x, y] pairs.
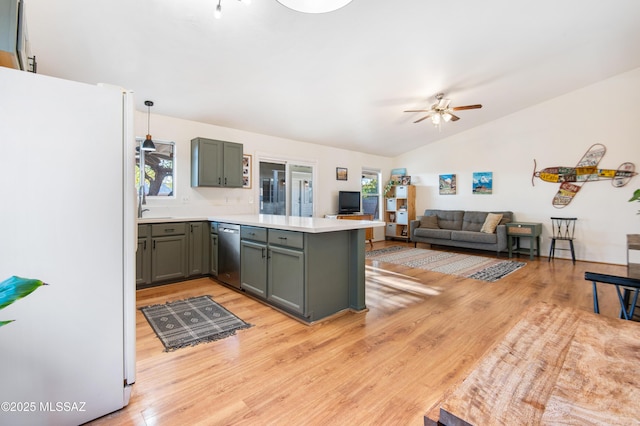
{"points": [[571, 179]]}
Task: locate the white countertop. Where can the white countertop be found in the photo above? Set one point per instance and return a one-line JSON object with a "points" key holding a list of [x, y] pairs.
{"points": [[290, 223]]}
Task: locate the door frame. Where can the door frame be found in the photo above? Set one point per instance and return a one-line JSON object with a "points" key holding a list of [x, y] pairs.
{"points": [[288, 161]]}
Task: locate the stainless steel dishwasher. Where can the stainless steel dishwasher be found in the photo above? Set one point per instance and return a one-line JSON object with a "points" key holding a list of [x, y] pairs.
{"points": [[229, 254]]}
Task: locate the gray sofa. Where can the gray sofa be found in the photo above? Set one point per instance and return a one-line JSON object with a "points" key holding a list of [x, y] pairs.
{"points": [[459, 228]]}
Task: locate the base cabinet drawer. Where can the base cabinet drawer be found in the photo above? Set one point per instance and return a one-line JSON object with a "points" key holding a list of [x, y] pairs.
{"points": [[290, 239]]}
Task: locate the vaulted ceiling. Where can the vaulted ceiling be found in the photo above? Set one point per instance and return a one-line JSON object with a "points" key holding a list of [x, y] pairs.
{"points": [[342, 78]]}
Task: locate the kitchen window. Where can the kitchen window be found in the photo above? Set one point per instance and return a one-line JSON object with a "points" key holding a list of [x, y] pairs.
{"points": [[159, 169]]}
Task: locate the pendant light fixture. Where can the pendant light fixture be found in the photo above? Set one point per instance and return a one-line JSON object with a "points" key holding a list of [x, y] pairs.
{"points": [[148, 144]]}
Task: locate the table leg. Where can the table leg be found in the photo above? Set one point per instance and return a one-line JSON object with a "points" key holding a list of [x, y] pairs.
{"points": [[510, 244]]}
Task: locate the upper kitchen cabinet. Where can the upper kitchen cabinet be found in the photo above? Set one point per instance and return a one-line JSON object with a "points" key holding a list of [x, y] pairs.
{"points": [[14, 42], [216, 163]]}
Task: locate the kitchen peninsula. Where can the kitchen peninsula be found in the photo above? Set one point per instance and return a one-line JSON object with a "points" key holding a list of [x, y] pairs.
{"points": [[308, 267]]}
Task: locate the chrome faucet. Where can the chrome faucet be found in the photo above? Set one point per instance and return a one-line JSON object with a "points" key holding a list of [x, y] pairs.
{"points": [[141, 201]]}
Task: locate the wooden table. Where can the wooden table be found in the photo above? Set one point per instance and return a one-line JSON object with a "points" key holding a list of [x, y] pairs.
{"points": [[517, 230], [555, 366]]}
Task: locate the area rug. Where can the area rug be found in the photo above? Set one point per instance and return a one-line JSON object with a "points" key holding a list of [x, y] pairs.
{"points": [[191, 321], [476, 267]]}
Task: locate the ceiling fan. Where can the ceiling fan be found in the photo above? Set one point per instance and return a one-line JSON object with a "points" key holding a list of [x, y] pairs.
{"points": [[441, 111]]}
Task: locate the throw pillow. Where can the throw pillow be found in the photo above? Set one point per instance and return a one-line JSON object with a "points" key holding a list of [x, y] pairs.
{"points": [[429, 222], [491, 223]]}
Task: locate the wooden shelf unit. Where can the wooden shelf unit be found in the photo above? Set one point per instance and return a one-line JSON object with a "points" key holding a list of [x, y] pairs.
{"points": [[400, 209]]}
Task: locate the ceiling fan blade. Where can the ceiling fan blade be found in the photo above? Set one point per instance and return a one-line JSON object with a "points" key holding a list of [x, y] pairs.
{"points": [[460, 108], [443, 103], [423, 118], [454, 117], [418, 110]]}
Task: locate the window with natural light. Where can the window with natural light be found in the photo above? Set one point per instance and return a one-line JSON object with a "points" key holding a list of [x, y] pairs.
{"points": [[158, 169], [371, 193]]}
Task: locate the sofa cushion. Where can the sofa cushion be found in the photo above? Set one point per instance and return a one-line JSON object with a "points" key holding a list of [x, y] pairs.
{"points": [[447, 219], [474, 237], [473, 220], [491, 222], [429, 222], [443, 234]]}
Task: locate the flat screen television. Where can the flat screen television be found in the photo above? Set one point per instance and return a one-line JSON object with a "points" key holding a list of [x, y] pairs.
{"points": [[348, 202]]}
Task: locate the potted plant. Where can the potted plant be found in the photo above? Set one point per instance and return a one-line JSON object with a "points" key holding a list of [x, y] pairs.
{"points": [[636, 197], [387, 188]]}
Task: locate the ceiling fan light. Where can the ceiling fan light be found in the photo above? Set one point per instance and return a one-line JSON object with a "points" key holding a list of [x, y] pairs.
{"points": [[435, 119], [446, 116]]}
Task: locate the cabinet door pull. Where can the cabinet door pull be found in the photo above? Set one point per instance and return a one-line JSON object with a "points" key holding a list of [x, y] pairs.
{"points": [[144, 247], [219, 180], [168, 229], [225, 181], [154, 244], [282, 238], [263, 252]]}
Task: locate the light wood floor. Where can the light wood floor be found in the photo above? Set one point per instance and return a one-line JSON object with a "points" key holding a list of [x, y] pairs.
{"points": [[421, 335]]}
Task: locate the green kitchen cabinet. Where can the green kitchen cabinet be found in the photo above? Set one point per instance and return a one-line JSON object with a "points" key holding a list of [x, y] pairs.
{"points": [[272, 266], [305, 274], [253, 260], [253, 267], [216, 163], [286, 284], [143, 256], [198, 248], [168, 251], [286, 280]]}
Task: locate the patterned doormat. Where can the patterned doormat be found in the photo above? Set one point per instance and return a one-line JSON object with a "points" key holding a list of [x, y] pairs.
{"points": [[476, 267], [191, 321]]}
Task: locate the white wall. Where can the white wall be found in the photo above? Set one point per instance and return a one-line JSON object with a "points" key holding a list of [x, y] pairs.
{"points": [[555, 133], [195, 202]]}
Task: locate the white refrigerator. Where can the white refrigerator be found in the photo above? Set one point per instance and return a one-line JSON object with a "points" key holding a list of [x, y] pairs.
{"points": [[67, 213]]}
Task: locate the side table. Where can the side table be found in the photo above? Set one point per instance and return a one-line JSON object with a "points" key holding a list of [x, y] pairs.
{"points": [[519, 230]]}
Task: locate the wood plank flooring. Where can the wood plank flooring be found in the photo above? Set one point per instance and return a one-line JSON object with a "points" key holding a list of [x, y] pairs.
{"points": [[421, 335]]}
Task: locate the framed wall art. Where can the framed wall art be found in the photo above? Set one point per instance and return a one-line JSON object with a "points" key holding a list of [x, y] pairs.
{"points": [[246, 171], [447, 184], [341, 173], [396, 175], [482, 182]]}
